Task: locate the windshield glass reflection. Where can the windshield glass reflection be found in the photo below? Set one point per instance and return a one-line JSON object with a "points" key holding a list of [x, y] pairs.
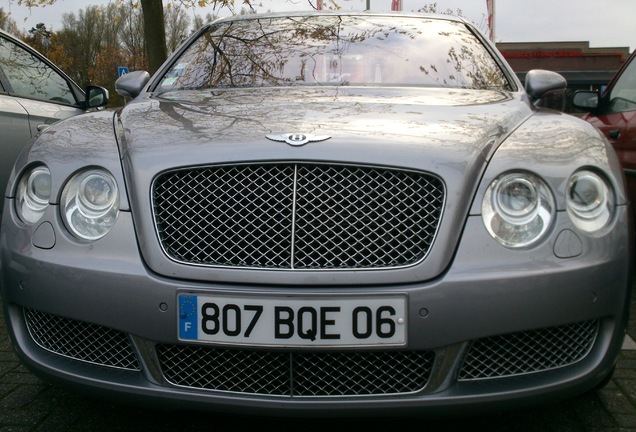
{"points": [[336, 50]]}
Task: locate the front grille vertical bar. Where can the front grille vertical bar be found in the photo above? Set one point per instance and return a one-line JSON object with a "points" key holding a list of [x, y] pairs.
{"points": [[293, 218], [291, 374]]}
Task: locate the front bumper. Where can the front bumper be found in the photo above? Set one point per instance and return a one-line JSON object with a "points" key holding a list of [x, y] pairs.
{"points": [[498, 329]]}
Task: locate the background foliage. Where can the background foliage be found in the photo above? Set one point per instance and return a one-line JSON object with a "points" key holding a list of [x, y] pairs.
{"points": [[93, 43]]}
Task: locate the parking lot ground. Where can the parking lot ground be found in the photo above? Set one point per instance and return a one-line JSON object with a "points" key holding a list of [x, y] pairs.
{"points": [[28, 404]]}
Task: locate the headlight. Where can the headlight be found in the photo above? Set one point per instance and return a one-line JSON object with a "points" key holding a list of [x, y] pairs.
{"points": [[590, 201], [32, 195], [90, 204], [518, 209]]}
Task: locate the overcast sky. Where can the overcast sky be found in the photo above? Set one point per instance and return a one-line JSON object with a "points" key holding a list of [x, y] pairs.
{"points": [[608, 23]]}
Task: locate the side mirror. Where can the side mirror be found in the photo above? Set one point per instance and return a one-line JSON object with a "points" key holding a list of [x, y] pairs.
{"points": [[586, 100], [539, 82], [96, 97], [131, 84]]}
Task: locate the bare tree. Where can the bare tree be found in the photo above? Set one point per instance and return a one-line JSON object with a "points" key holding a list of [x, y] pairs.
{"points": [[7, 23], [80, 41], [200, 21], [177, 27], [112, 24], [132, 41]]}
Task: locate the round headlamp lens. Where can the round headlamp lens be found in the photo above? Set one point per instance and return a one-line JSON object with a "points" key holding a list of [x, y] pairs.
{"points": [[33, 194], [518, 208], [590, 201], [90, 204], [517, 199], [96, 193]]}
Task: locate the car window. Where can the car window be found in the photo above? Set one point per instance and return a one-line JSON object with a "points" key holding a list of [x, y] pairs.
{"points": [[30, 77], [336, 50], [622, 96]]}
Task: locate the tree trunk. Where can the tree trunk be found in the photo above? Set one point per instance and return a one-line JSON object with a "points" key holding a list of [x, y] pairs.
{"points": [[155, 31]]}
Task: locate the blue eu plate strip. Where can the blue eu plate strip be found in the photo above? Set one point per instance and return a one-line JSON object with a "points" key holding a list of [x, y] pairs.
{"points": [[188, 328]]}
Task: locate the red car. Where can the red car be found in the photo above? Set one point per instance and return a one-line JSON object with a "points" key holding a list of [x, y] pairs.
{"points": [[614, 113]]}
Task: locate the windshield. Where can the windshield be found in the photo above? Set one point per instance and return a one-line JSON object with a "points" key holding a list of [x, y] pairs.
{"points": [[335, 50]]}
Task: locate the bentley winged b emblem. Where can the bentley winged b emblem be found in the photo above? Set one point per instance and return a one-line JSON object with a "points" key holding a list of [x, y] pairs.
{"points": [[297, 139]]}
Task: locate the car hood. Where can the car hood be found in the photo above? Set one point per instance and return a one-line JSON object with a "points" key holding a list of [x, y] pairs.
{"points": [[436, 121], [451, 133]]}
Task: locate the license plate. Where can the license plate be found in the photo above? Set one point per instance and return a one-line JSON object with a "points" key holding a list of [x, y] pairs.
{"points": [[290, 321]]}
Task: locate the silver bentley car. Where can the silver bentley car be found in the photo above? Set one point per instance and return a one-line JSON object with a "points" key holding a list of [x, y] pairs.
{"points": [[322, 213]]}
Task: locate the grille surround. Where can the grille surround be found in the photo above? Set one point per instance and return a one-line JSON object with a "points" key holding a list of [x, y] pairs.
{"points": [[297, 216], [79, 340], [295, 374], [524, 353]]}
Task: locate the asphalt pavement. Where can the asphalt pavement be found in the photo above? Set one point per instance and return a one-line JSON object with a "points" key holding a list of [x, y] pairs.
{"points": [[28, 404]]}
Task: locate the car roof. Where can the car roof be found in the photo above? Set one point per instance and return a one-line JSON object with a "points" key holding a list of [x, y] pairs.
{"points": [[341, 13]]}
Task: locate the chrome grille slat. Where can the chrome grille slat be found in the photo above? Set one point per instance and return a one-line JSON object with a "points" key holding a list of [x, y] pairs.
{"points": [[299, 216], [295, 374], [81, 340], [528, 352]]}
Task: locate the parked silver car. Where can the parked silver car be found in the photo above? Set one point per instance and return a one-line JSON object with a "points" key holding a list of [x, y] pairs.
{"points": [[322, 213], [34, 94]]}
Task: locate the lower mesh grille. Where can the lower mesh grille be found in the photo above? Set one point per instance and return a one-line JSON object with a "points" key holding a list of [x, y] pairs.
{"points": [[295, 374], [81, 341], [528, 352]]}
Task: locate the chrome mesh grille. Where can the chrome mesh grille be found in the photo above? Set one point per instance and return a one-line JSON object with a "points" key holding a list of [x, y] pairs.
{"points": [[528, 352], [81, 341], [295, 374], [299, 216]]}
